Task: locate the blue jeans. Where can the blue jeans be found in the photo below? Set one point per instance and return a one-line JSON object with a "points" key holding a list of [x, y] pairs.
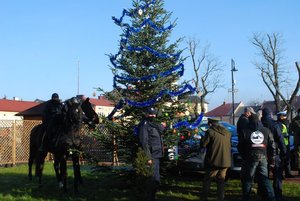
{"points": [[259, 167]]}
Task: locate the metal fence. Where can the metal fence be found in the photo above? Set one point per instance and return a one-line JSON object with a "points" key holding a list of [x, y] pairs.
{"points": [[15, 135]]}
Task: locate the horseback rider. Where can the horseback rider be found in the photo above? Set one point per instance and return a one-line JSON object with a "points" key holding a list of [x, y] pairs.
{"points": [[52, 116]]}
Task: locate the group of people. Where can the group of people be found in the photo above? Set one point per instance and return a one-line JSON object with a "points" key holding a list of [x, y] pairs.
{"points": [[263, 144]]}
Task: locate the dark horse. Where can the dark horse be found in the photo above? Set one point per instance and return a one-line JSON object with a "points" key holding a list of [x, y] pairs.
{"points": [[65, 143]]}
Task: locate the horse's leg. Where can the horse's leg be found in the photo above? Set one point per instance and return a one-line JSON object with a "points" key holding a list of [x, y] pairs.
{"points": [[76, 169], [57, 173], [40, 165], [30, 162], [63, 171]]}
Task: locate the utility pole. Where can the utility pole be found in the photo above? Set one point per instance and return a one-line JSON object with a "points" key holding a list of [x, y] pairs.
{"points": [[233, 69], [78, 77]]}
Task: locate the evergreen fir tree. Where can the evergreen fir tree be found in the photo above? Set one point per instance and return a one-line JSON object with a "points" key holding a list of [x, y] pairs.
{"points": [[147, 69]]}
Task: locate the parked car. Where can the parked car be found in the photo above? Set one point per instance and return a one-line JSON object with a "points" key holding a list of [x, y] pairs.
{"points": [[191, 154]]}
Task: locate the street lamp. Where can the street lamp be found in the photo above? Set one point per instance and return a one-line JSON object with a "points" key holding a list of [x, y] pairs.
{"points": [[233, 69]]}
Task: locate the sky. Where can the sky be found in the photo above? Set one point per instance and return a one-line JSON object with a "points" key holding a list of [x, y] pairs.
{"points": [[61, 46]]}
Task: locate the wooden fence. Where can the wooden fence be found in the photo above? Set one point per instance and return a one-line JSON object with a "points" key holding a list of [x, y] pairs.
{"points": [[15, 135]]}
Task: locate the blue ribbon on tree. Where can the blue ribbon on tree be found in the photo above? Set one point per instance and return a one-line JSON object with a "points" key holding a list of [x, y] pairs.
{"points": [[178, 68], [157, 97], [186, 124]]}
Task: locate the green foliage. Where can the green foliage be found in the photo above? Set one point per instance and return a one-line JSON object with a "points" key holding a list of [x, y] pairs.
{"points": [[107, 185], [141, 166], [143, 176]]}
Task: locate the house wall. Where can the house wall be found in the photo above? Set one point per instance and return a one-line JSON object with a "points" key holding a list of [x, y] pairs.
{"points": [[191, 107], [105, 110], [9, 116]]}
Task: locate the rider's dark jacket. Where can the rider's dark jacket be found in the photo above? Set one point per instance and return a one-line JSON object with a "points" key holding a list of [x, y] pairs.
{"points": [[52, 110]]}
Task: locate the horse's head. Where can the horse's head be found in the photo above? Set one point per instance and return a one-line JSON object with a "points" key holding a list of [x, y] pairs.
{"points": [[90, 116], [74, 114]]}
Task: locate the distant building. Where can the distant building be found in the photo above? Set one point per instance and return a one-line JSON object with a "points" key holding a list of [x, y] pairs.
{"points": [[224, 112], [101, 106], [9, 108], [192, 101]]}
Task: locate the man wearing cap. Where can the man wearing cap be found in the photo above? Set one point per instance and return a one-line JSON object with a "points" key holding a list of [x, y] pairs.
{"points": [[243, 120], [282, 122], [51, 117], [295, 129], [150, 140], [217, 159]]}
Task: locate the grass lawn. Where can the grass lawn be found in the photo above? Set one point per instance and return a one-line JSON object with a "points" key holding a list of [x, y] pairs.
{"points": [[112, 186]]}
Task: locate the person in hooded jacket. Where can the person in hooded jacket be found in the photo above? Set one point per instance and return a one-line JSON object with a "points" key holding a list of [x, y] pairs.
{"points": [[295, 129], [256, 146], [217, 140], [277, 171], [150, 140]]}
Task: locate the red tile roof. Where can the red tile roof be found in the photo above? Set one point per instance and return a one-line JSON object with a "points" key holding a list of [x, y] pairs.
{"points": [[223, 110], [101, 101], [16, 105], [36, 110]]}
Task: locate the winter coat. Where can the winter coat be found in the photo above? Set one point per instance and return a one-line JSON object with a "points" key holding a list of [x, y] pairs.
{"points": [[217, 141], [52, 110], [241, 124], [257, 140], [150, 140], [270, 123], [295, 128]]}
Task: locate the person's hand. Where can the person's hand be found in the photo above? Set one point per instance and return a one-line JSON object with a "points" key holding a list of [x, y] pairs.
{"points": [[272, 163], [164, 124], [149, 162]]}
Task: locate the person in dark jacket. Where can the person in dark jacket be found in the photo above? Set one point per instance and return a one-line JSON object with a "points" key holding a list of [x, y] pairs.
{"points": [[277, 171], [243, 120], [150, 140], [282, 123], [51, 117], [295, 129], [217, 140], [256, 146]]}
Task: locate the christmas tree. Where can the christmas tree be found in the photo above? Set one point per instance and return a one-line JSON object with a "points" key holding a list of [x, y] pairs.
{"points": [[147, 70]]}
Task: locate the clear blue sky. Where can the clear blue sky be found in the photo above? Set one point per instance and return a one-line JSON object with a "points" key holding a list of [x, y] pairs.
{"points": [[41, 42]]}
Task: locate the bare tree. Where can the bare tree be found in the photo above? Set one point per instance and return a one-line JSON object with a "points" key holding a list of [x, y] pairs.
{"points": [[207, 69], [272, 70]]}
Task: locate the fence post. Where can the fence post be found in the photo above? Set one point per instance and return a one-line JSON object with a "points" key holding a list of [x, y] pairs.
{"points": [[14, 144]]}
